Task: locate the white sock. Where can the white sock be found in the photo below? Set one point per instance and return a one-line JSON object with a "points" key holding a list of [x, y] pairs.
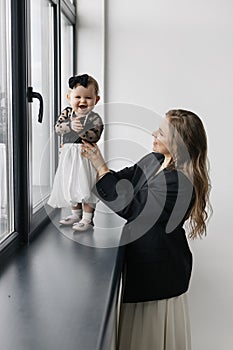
{"points": [[77, 213], [87, 217]]}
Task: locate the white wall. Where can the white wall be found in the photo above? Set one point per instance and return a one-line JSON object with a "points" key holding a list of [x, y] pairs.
{"points": [[163, 54], [90, 40]]}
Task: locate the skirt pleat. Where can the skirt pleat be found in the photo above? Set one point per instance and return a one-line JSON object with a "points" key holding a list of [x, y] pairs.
{"points": [[155, 325]]}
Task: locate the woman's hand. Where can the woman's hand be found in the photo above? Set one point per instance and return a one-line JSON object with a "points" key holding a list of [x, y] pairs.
{"points": [[92, 152]]}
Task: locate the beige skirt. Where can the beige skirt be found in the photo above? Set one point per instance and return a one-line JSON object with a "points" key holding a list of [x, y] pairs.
{"points": [[155, 325]]}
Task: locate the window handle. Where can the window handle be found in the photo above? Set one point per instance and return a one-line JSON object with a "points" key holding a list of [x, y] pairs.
{"points": [[31, 95]]}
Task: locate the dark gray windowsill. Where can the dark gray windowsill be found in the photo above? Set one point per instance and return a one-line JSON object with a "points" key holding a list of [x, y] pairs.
{"points": [[59, 292]]}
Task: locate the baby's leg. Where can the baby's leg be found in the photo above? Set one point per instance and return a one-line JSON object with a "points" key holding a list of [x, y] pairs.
{"points": [[88, 212], [89, 207], [87, 220], [77, 211]]}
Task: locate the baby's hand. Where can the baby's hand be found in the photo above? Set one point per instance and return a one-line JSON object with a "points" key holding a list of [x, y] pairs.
{"points": [[76, 124]]}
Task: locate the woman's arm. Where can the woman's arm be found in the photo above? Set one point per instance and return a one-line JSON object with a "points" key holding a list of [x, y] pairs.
{"points": [[125, 191], [118, 192], [140, 196]]}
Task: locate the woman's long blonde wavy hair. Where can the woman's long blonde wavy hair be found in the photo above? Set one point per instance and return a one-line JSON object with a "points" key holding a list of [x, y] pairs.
{"points": [[188, 146]]}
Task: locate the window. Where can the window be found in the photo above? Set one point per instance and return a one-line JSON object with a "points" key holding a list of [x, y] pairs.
{"points": [[67, 56], [42, 80], [6, 183], [41, 61]]}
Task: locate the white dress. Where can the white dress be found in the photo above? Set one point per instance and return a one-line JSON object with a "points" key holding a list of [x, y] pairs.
{"points": [[74, 179]]}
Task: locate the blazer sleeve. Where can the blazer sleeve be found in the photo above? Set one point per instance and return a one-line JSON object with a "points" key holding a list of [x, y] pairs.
{"points": [[118, 190], [154, 200]]}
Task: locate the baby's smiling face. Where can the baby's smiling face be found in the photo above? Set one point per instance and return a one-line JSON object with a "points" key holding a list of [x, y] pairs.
{"points": [[83, 100]]}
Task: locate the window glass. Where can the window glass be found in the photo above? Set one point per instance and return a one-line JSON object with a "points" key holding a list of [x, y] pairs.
{"points": [[42, 80], [6, 183], [67, 57]]}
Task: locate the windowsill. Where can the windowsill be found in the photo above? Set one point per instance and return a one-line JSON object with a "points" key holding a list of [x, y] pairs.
{"points": [[59, 293]]}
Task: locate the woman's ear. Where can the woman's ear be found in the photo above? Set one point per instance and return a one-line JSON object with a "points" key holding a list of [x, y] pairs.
{"points": [[97, 99]]}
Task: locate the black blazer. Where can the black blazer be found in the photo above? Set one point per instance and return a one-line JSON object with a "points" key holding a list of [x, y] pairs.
{"points": [[158, 261]]}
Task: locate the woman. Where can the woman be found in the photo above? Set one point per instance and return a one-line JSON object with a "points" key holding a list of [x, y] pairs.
{"points": [[156, 196]]}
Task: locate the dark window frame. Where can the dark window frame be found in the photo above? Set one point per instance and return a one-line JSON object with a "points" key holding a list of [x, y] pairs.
{"points": [[23, 230]]}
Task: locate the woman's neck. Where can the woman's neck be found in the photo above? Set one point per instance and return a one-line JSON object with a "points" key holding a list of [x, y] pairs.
{"points": [[167, 159]]}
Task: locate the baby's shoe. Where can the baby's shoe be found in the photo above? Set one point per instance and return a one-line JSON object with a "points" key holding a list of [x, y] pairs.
{"points": [[83, 225], [70, 220]]}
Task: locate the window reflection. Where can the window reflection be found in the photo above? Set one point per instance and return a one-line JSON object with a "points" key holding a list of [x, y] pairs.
{"points": [[42, 76], [67, 60], [6, 187]]}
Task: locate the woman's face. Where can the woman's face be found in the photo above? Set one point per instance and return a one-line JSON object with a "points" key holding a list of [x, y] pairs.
{"points": [[160, 144]]}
